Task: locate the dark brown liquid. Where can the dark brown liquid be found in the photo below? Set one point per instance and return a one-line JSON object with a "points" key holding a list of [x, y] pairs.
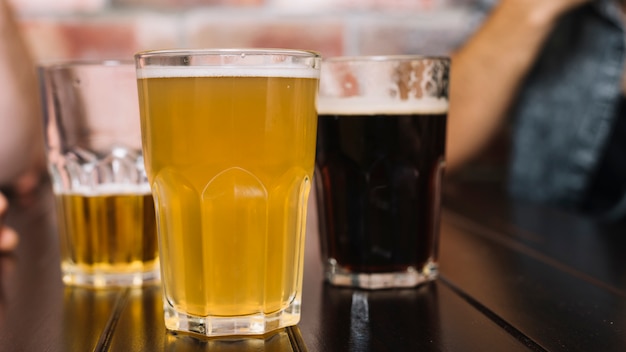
{"points": [[378, 183]]}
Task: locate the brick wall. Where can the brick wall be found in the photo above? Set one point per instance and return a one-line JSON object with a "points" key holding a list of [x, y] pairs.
{"points": [[64, 29]]}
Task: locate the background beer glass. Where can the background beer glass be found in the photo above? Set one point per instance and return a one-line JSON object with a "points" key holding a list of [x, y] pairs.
{"points": [[106, 215], [379, 166], [229, 146]]}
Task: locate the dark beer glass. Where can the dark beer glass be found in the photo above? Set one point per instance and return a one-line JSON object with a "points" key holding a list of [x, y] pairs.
{"points": [[379, 165]]}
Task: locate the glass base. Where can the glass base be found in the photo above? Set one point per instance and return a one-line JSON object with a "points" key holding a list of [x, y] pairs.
{"points": [[107, 279], [339, 276], [255, 324]]}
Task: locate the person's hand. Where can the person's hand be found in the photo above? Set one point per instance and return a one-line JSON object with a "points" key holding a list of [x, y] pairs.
{"points": [[489, 69], [541, 11], [8, 236]]}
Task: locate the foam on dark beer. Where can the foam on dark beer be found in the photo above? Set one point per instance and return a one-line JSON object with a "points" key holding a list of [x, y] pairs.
{"points": [[359, 106]]}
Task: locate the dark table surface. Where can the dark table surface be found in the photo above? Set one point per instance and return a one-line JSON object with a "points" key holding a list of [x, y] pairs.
{"points": [[514, 277]]}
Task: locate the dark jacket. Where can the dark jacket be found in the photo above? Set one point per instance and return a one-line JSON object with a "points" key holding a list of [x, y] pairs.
{"points": [[567, 106]]}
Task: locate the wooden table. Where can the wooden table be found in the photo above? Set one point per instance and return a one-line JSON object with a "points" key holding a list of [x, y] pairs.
{"points": [[514, 277]]}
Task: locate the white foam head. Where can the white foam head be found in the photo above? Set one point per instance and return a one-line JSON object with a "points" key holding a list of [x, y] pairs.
{"points": [[107, 189], [372, 106], [227, 71]]}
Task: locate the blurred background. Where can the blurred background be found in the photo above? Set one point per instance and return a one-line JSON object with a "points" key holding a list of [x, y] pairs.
{"points": [[116, 29]]}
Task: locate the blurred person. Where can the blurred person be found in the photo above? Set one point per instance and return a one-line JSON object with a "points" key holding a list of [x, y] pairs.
{"points": [[21, 142], [556, 67]]}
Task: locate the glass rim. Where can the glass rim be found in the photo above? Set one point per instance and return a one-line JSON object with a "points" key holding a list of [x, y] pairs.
{"points": [[62, 64], [227, 52], [385, 58]]}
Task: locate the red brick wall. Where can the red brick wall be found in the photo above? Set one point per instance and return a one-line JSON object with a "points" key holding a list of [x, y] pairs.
{"points": [[62, 29]]}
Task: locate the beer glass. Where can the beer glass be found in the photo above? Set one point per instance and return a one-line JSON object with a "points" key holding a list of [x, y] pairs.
{"points": [[106, 217], [379, 167], [229, 147]]}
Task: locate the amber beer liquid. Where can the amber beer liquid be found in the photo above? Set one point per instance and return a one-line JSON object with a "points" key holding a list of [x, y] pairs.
{"points": [[230, 158], [107, 234], [378, 180]]}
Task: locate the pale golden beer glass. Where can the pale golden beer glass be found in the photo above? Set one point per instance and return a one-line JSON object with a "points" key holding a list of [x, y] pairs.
{"points": [[106, 217], [229, 146]]}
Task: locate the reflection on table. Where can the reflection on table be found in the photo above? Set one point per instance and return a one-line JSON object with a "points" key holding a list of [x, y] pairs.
{"points": [[514, 277]]}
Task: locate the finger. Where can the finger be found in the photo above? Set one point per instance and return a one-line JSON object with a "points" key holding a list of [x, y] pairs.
{"points": [[4, 205], [8, 239], [8, 236]]}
